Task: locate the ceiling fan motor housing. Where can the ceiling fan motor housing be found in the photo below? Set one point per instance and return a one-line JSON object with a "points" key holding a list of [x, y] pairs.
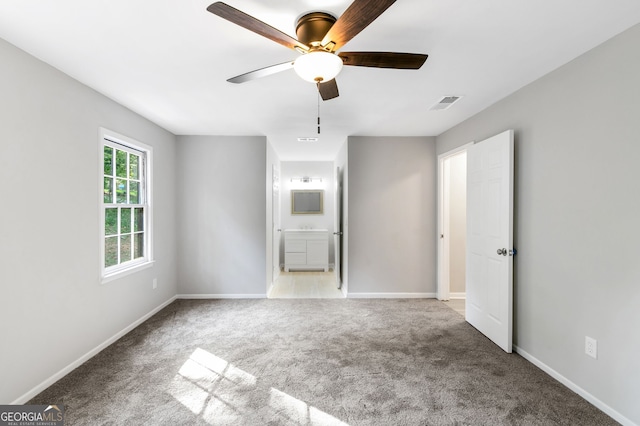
{"points": [[312, 27]]}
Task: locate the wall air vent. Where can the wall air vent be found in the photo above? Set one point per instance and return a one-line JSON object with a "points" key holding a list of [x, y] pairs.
{"points": [[445, 102]]}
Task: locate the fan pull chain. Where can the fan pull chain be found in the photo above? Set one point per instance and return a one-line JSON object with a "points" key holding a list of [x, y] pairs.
{"points": [[318, 108]]}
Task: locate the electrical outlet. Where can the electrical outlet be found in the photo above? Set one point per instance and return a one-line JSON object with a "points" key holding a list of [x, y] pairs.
{"points": [[155, 283], [591, 347]]}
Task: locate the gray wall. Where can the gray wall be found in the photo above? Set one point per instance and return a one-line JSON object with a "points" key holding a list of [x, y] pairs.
{"points": [[222, 232], [53, 309], [577, 207], [392, 211]]}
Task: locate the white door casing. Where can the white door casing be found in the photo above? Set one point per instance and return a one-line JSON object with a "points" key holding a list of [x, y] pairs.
{"points": [[337, 226], [444, 212], [445, 265], [489, 280], [275, 223]]}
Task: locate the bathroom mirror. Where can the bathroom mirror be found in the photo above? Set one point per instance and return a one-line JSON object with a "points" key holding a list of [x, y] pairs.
{"points": [[305, 201]]}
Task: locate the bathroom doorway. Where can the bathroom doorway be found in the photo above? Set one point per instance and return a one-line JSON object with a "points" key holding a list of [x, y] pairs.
{"points": [[452, 217], [312, 271]]}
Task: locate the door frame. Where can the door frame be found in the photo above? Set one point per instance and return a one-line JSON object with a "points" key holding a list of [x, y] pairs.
{"points": [[337, 225], [276, 206], [443, 284]]}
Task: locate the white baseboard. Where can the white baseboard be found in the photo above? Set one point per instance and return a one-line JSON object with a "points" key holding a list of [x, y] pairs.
{"points": [[222, 296], [84, 358], [352, 295], [574, 387], [462, 295], [343, 289]]}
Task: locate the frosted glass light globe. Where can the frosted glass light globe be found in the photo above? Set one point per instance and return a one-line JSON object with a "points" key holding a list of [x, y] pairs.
{"points": [[317, 67]]}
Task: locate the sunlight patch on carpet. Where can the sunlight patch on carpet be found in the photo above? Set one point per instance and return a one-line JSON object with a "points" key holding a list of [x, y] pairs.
{"points": [[221, 393], [299, 411]]}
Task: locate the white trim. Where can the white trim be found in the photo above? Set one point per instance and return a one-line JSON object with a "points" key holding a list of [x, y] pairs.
{"points": [[123, 140], [84, 358], [456, 151], [116, 275], [106, 136], [222, 296], [460, 295], [443, 256], [444, 266], [574, 387], [352, 295]]}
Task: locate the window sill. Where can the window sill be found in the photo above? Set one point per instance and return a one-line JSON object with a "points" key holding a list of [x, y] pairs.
{"points": [[127, 271]]}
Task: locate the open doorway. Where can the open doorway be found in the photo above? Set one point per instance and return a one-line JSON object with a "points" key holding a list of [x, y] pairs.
{"points": [[452, 217], [309, 244]]}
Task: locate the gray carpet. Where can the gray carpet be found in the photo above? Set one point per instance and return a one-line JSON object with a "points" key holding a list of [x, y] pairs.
{"points": [[302, 362]]}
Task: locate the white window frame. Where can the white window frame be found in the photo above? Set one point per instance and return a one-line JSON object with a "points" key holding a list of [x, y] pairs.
{"points": [[108, 137]]}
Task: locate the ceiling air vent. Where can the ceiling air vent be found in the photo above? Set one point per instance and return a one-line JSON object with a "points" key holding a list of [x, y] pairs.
{"points": [[307, 139], [445, 102]]}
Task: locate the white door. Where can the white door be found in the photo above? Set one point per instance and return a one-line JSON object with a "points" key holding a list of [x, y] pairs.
{"points": [[337, 226], [489, 281], [275, 223]]}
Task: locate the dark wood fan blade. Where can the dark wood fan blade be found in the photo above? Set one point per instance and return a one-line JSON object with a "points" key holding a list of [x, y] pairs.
{"points": [[262, 72], [406, 61], [355, 19], [238, 17], [328, 90]]}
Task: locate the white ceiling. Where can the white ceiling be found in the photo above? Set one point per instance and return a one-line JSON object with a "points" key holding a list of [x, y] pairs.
{"points": [[168, 60]]}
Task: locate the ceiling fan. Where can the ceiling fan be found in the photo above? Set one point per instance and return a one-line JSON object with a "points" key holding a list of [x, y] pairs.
{"points": [[320, 36]]}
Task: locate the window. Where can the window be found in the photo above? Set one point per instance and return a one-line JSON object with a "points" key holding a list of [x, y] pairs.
{"points": [[126, 210]]}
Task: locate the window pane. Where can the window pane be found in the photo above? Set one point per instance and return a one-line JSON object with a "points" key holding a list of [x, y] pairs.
{"points": [[134, 163], [125, 248], [138, 245], [110, 251], [124, 185], [111, 221], [108, 190], [121, 164], [125, 221], [121, 191], [108, 161], [134, 196], [138, 219]]}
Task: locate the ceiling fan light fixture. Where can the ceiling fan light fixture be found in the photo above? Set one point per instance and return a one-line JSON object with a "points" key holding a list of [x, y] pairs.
{"points": [[318, 67]]}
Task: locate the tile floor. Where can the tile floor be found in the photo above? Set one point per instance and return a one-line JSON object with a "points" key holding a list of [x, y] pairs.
{"points": [[457, 305], [306, 285]]}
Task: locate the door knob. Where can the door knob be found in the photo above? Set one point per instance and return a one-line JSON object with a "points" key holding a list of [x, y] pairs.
{"points": [[502, 251], [337, 233]]}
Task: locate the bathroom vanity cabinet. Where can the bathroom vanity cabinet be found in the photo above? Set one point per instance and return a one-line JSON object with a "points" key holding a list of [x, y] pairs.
{"points": [[306, 249]]}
